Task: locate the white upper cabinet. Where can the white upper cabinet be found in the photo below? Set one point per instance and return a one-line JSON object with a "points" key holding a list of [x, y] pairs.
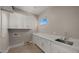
{"points": [[12, 21], [21, 21]]}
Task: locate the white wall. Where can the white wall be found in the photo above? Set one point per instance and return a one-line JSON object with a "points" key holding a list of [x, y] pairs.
{"points": [[63, 19]]}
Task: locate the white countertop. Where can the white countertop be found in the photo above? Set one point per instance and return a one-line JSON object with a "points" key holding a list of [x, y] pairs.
{"points": [[54, 37]]}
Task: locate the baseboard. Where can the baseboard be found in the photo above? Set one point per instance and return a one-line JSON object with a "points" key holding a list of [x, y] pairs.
{"points": [[17, 45]]}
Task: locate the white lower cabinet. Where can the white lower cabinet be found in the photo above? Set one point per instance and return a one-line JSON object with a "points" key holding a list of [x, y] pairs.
{"points": [[55, 48], [49, 46], [45, 45], [42, 43], [39, 43], [34, 39]]}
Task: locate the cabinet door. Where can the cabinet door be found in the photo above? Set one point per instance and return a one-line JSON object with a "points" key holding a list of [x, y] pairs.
{"points": [[54, 48], [25, 22], [34, 39], [65, 49], [45, 45], [62, 49], [21, 23], [0, 31], [28, 22], [4, 34], [0, 24], [13, 20], [39, 42]]}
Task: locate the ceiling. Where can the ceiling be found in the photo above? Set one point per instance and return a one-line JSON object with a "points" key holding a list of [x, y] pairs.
{"points": [[33, 9]]}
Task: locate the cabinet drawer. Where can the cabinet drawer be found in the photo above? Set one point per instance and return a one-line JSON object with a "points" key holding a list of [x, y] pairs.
{"points": [[61, 49]]}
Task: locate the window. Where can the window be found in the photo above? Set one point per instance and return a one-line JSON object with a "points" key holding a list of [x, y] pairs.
{"points": [[43, 21]]}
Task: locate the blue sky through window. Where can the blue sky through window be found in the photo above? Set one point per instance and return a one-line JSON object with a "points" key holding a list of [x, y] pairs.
{"points": [[43, 21]]}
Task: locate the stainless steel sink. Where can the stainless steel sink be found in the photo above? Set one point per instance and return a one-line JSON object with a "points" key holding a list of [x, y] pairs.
{"points": [[64, 41]]}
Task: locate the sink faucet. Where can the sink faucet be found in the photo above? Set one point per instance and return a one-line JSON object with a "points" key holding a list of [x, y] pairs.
{"points": [[66, 36]]}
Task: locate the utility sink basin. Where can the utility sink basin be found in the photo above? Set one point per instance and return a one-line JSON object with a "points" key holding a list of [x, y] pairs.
{"points": [[64, 41]]}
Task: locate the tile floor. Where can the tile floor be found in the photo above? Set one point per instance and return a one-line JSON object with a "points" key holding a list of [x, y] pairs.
{"points": [[27, 48]]}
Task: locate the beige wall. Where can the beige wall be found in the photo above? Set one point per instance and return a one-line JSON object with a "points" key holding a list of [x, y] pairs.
{"points": [[63, 19]]}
